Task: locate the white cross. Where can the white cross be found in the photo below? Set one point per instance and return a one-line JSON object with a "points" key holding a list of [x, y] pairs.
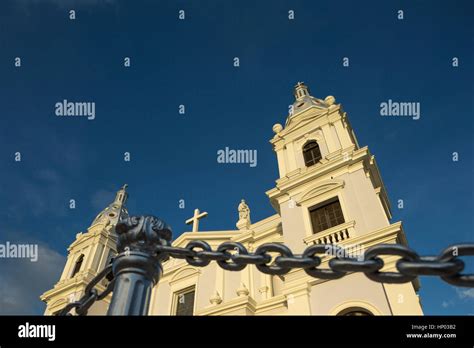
{"points": [[195, 219]]}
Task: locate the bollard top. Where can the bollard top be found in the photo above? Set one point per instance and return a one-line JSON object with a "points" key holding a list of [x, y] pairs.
{"points": [[142, 233]]}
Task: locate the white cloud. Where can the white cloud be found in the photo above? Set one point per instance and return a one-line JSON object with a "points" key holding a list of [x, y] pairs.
{"points": [[23, 281], [465, 293], [446, 304]]}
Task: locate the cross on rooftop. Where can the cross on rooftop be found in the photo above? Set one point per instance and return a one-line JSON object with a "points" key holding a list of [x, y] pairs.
{"points": [[195, 219]]}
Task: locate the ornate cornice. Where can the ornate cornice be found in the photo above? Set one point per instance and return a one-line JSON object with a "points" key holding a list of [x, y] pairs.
{"points": [[286, 184]]}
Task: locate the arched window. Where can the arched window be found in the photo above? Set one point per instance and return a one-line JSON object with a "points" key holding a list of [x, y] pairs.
{"points": [[355, 312], [78, 265], [311, 153]]}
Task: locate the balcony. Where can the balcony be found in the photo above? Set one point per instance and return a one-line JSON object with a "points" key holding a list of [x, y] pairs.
{"points": [[333, 235]]}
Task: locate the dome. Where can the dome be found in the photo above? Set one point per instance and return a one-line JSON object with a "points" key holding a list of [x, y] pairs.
{"points": [[115, 210]]}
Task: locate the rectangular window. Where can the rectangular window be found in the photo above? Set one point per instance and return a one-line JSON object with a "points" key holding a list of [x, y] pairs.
{"points": [[326, 215], [185, 301]]}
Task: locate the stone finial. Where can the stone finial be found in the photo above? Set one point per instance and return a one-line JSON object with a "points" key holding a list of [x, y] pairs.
{"points": [[329, 100], [277, 128], [244, 216], [242, 290], [215, 298]]}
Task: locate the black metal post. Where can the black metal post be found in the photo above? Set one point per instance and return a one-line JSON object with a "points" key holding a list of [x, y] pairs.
{"points": [[137, 268]]}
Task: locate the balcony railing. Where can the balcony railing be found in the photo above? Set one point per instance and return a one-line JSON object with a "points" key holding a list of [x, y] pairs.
{"points": [[333, 235]]}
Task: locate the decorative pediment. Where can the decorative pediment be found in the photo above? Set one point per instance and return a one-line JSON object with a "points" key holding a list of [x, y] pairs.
{"points": [[321, 188], [303, 118], [184, 273]]}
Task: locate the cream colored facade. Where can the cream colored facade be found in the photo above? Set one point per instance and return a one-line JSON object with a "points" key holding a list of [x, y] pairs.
{"points": [[96, 247], [345, 172]]}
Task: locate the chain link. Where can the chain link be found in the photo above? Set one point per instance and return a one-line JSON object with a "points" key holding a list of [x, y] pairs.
{"points": [[91, 294], [233, 256]]}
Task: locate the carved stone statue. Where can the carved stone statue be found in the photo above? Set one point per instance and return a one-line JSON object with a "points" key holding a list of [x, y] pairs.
{"points": [[244, 216], [244, 210]]}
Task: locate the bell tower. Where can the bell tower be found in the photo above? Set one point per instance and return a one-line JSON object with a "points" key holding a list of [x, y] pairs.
{"points": [[330, 191], [88, 255], [323, 169], [312, 120]]}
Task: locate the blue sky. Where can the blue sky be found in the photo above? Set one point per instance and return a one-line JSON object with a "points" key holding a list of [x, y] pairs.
{"points": [[190, 62]]}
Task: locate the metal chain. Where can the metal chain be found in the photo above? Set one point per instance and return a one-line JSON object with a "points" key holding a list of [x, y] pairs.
{"points": [[233, 256], [91, 294]]}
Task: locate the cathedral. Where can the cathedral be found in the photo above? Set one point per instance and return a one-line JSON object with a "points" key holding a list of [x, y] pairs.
{"points": [[329, 191]]}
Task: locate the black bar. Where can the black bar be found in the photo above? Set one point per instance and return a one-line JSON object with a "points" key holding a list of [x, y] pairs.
{"points": [[165, 331]]}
